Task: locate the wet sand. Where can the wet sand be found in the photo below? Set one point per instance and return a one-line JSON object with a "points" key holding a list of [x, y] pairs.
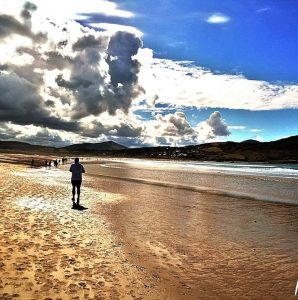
{"points": [[140, 241]]}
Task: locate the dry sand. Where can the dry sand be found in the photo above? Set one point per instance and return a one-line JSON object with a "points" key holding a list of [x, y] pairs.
{"points": [[50, 251]]}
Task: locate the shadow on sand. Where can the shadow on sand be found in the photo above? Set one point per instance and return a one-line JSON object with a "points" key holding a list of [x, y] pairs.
{"points": [[79, 207]]}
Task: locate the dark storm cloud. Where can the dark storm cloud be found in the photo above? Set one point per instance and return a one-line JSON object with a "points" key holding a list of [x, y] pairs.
{"points": [[21, 103], [121, 130], [56, 94], [89, 90], [7, 133], [97, 129], [86, 81], [73, 84], [123, 69], [92, 92], [55, 60], [86, 42], [17, 94], [46, 138], [28, 8], [9, 25], [49, 60], [25, 73], [49, 103], [20, 92], [4, 67], [161, 140], [127, 130]]}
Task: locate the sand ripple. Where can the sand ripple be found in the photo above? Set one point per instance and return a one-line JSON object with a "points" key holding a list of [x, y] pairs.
{"points": [[50, 251]]}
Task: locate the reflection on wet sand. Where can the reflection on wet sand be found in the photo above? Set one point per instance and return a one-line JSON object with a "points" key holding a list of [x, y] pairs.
{"points": [[206, 245]]}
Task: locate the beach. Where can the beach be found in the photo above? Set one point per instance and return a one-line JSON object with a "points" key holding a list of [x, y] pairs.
{"points": [[148, 232]]}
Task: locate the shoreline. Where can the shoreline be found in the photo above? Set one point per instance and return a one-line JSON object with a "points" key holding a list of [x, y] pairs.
{"points": [[24, 158]]}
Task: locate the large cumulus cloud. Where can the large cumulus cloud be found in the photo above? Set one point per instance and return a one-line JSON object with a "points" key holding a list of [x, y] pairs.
{"points": [[173, 124], [96, 128], [103, 74], [58, 75], [213, 127], [175, 129], [21, 103]]}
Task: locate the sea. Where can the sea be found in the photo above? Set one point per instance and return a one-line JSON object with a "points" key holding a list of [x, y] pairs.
{"points": [[258, 181]]}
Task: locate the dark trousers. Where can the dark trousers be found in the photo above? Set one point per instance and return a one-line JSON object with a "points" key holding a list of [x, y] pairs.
{"points": [[76, 184]]}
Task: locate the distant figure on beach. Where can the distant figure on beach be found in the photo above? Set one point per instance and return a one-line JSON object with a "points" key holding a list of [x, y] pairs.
{"points": [[32, 163], [46, 163], [76, 179], [55, 163]]}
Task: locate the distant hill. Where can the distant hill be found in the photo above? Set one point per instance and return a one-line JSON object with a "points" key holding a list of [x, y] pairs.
{"points": [[253, 151], [20, 146], [111, 146], [250, 142], [12, 146], [281, 151], [289, 141]]}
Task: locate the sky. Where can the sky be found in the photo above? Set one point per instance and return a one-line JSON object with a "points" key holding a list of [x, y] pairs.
{"points": [[173, 73]]}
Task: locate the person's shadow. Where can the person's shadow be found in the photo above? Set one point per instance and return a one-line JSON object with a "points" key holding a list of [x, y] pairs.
{"points": [[79, 207]]}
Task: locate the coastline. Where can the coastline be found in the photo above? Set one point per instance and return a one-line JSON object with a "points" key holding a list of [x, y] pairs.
{"points": [[24, 158]]}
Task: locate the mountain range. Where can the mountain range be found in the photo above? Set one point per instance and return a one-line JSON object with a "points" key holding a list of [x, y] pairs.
{"points": [[280, 151]]}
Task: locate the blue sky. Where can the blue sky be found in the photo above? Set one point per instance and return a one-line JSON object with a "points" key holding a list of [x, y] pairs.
{"points": [[258, 40], [165, 72]]}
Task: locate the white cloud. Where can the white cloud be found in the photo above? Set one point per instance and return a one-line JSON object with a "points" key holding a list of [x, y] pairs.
{"points": [[182, 84], [255, 130], [258, 138], [8, 50], [232, 127], [214, 126], [175, 129], [263, 10], [237, 127], [112, 28], [67, 9], [217, 18]]}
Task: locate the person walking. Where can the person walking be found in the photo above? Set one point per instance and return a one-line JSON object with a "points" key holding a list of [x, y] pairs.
{"points": [[76, 180]]}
